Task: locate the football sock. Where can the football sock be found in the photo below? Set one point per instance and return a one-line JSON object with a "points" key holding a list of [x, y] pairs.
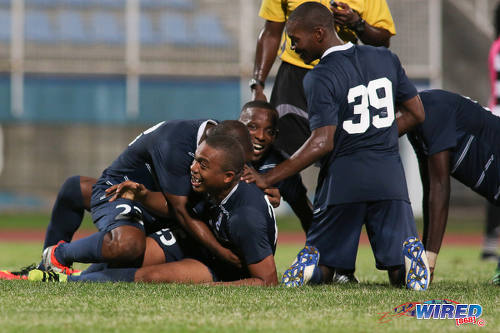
{"points": [[67, 213], [88, 249], [317, 276], [107, 275], [96, 267]]}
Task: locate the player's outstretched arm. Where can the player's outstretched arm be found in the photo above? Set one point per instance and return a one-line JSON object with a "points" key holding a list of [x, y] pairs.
{"points": [[265, 53], [199, 230], [317, 145], [411, 113], [262, 273], [439, 198]]}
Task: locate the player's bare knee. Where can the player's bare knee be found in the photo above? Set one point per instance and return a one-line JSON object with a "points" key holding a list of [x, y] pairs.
{"points": [[124, 245]]}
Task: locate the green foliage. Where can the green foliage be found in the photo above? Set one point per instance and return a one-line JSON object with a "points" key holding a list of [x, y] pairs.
{"points": [[111, 307]]}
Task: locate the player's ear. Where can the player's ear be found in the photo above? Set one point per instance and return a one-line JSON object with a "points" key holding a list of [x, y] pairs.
{"points": [[319, 34], [229, 176]]}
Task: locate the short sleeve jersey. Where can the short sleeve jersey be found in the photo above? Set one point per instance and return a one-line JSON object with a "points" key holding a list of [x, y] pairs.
{"points": [[245, 223], [355, 88], [468, 131], [291, 188], [374, 12], [167, 149]]}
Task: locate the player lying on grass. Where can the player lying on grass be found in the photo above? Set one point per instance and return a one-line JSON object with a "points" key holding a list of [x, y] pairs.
{"points": [[239, 214], [351, 95], [167, 150], [259, 117], [461, 139]]}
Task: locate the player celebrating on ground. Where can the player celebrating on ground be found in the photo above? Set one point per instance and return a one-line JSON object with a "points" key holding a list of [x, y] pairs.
{"points": [[238, 213], [166, 148], [458, 138], [261, 119], [350, 96]]}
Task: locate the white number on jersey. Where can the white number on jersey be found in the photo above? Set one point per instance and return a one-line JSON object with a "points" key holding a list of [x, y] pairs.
{"points": [[369, 97]]}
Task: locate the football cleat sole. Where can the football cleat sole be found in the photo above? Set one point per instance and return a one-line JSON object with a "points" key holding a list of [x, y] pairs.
{"points": [[301, 270], [6, 275], [417, 273]]}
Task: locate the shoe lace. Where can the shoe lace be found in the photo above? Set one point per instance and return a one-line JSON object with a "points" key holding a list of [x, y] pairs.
{"points": [[51, 276], [24, 271]]}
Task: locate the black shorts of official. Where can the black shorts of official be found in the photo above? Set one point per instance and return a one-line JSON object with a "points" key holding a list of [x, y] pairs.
{"points": [[335, 232], [289, 99]]}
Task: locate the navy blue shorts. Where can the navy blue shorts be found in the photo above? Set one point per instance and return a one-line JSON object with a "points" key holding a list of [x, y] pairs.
{"points": [[335, 232], [111, 215], [167, 240]]}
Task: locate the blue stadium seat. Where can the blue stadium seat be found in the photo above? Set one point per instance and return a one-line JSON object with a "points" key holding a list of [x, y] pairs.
{"points": [[4, 25], [42, 3], [208, 31], [174, 29], [71, 28], [105, 28], [90, 3], [147, 34], [37, 27], [174, 4]]}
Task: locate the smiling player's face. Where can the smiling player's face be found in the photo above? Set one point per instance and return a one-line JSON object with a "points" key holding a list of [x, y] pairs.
{"points": [[207, 174], [303, 42], [262, 130]]}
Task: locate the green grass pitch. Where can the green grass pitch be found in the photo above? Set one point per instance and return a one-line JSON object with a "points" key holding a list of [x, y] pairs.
{"points": [[110, 307]]}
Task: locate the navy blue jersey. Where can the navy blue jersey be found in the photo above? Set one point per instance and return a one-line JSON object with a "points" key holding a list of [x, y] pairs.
{"points": [[469, 132], [243, 222], [167, 150], [355, 88], [291, 188]]}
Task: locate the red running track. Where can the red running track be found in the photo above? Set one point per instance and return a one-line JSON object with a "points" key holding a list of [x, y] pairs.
{"points": [[19, 235]]}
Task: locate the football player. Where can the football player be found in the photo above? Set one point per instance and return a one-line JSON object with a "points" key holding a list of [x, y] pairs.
{"points": [[351, 95], [167, 149], [239, 214], [461, 139], [261, 119]]}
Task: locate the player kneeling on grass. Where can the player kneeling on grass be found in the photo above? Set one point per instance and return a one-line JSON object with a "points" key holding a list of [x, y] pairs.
{"points": [[351, 95], [238, 214]]}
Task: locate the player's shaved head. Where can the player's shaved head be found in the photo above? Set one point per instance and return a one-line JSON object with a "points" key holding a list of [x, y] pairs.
{"points": [[311, 15], [238, 131], [271, 111], [233, 158]]}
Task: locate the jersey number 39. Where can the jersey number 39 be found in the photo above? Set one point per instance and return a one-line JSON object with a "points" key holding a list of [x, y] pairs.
{"points": [[369, 97]]}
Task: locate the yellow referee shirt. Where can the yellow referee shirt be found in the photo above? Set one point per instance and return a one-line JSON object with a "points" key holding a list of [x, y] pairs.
{"points": [[375, 12]]}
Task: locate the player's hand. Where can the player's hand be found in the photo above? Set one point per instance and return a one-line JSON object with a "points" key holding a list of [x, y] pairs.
{"points": [[230, 257], [274, 196], [127, 190], [344, 15], [258, 94], [250, 175]]}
